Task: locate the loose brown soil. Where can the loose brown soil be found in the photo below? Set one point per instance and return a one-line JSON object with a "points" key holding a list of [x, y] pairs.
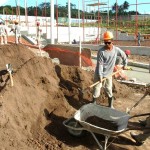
{"points": [[44, 95], [103, 123]]}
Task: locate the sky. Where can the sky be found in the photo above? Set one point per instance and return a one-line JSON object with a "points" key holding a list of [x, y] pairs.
{"points": [[143, 7]]}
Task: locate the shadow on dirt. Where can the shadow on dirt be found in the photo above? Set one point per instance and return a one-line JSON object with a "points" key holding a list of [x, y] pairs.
{"points": [[57, 129]]}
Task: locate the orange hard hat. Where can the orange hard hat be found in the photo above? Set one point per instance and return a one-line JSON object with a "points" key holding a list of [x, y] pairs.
{"points": [[16, 21], [127, 52], [108, 35]]}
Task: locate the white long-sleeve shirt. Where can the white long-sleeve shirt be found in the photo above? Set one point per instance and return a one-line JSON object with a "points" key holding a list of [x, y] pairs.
{"points": [[3, 30]]}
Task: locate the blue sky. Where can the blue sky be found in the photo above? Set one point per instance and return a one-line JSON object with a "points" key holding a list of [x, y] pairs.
{"points": [[142, 8]]}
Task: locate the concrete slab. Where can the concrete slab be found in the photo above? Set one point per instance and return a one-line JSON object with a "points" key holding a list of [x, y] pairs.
{"points": [[141, 74]]}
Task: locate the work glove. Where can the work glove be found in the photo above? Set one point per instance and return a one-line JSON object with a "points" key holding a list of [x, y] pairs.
{"points": [[129, 68], [126, 68]]}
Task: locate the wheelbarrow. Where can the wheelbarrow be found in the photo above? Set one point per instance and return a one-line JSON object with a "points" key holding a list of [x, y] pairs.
{"points": [[98, 119]]}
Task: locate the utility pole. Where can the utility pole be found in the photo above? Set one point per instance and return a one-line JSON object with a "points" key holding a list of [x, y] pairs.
{"points": [[57, 17], [136, 24], [52, 21], [69, 21], [25, 6], [108, 14], [116, 20], [79, 12], [16, 8], [19, 9], [36, 9]]}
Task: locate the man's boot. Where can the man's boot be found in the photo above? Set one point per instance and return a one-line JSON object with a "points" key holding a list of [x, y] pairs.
{"points": [[110, 102]]}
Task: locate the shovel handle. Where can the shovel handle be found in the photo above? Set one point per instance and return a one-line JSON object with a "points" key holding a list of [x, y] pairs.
{"points": [[11, 79], [9, 69], [102, 80]]}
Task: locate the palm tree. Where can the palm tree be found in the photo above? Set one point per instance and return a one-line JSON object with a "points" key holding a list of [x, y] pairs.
{"points": [[121, 8], [125, 5], [114, 7]]}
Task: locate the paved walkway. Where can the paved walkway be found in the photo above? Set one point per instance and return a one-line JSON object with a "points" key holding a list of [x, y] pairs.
{"points": [[141, 74]]}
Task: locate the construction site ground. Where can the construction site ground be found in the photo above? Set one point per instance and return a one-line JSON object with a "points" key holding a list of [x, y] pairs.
{"points": [[45, 94]]}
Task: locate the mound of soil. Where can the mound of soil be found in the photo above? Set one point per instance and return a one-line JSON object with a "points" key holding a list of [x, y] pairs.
{"points": [[43, 96]]}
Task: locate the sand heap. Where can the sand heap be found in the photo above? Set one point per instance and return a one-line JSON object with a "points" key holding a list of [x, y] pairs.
{"points": [[43, 96]]}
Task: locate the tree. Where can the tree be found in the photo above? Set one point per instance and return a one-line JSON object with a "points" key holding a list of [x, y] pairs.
{"points": [[43, 5], [125, 5], [72, 6], [121, 8], [114, 7]]}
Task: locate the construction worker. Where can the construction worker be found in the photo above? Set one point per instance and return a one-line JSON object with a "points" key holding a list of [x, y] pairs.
{"points": [[106, 58], [121, 74], [128, 53], [119, 59], [38, 33], [3, 33], [118, 66], [17, 31]]}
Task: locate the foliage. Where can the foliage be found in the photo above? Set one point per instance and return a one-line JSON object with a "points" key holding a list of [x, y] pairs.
{"points": [[43, 9], [123, 15]]}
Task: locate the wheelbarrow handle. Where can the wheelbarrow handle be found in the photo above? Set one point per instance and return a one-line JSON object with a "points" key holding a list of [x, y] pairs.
{"points": [[146, 114], [89, 87], [145, 94], [136, 128]]}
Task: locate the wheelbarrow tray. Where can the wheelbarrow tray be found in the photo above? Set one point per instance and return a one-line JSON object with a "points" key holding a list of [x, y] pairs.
{"points": [[117, 121], [79, 122]]}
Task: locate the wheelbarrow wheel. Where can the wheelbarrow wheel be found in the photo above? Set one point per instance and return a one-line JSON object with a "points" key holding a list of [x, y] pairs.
{"points": [[75, 132]]}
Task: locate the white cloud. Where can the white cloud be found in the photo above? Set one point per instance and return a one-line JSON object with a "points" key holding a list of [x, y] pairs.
{"points": [[2, 2]]}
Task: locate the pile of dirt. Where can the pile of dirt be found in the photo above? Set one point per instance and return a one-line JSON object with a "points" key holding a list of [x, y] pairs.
{"points": [[43, 96]]}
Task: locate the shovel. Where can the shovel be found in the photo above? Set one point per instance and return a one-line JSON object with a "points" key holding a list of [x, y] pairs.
{"points": [[10, 70], [146, 93], [89, 87]]}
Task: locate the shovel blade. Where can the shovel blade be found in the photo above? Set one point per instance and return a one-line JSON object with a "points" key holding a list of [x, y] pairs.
{"points": [[9, 68]]}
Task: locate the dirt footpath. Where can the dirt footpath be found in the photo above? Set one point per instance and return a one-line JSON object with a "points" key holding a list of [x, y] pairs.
{"points": [[44, 95]]}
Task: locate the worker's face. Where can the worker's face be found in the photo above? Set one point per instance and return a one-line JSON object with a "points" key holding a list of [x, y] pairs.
{"points": [[108, 44]]}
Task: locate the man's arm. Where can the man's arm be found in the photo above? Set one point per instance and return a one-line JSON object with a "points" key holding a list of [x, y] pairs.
{"points": [[124, 57], [100, 65]]}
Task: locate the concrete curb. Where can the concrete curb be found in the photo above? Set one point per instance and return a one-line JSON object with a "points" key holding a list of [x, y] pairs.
{"points": [[140, 65]]}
